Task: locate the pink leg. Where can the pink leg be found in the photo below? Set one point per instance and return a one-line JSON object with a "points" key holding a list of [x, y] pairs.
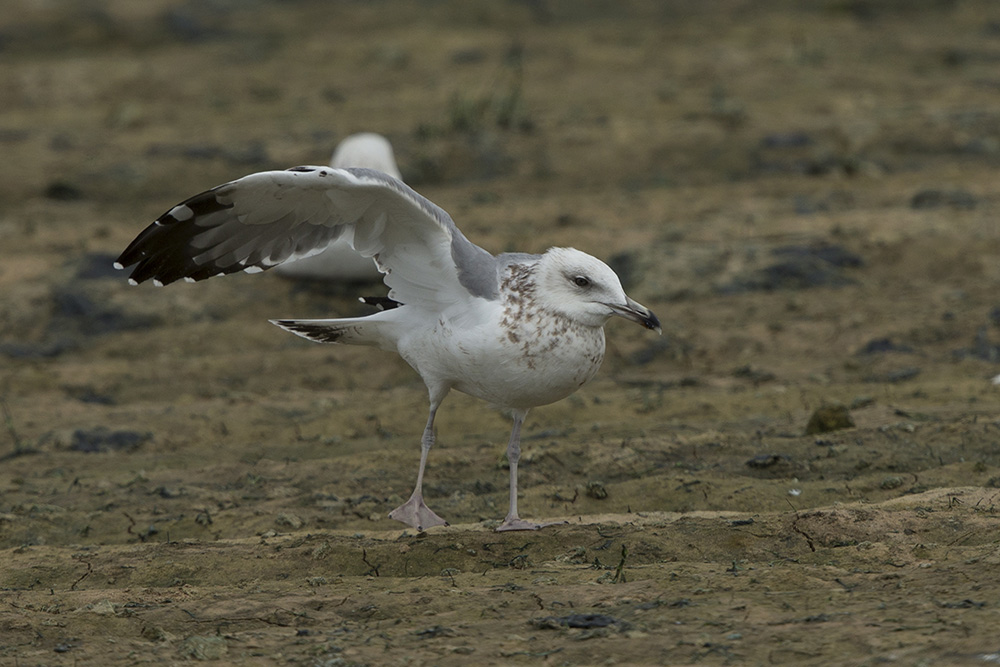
{"points": [[415, 512], [513, 521]]}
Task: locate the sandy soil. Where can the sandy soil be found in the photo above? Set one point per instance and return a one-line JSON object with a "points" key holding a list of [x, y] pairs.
{"points": [[805, 192]]}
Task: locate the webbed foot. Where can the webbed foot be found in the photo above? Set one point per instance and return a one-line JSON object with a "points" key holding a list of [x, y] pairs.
{"points": [[416, 514]]}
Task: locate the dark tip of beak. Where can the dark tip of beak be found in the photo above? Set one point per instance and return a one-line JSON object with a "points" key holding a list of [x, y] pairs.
{"points": [[652, 322], [637, 312]]}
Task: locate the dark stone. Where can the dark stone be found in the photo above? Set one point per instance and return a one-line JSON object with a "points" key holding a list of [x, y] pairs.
{"points": [[799, 267], [800, 273], [10, 135], [762, 461], [835, 255], [63, 191], [201, 152], [333, 95], [838, 200], [436, 631], [982, 348], [62, 142], [596, 490], [953, 57], [817, 618], [77, 316], [881, 345], [252, 154], [651, 351], [785, 140], [76, 310], [805, 206], [589, 620], [994, 316], [901, 374], [90, 395], [101, 439], [195, 22], [755, 375], [469, 56], [585, 621], [964, 604], [41, 350], [828, 418], [931, 199]]}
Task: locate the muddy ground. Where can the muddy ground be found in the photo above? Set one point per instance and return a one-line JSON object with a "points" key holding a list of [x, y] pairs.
{"points": [[805, 192]]}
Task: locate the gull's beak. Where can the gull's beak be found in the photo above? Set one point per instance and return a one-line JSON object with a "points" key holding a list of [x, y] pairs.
{"points": [[635, 311]]}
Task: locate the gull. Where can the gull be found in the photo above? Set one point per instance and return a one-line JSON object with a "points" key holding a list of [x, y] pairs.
{"points": [[339, 262], [516, 330]]}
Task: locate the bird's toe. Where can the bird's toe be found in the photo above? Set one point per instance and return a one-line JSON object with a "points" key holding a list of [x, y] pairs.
{"points": [[416, 514]]}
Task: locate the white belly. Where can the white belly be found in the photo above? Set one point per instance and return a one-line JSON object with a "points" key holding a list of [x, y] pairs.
{"points": [[536, 363]]}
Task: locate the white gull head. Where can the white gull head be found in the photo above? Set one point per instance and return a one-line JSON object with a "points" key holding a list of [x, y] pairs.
{"points": [[584, 289]]}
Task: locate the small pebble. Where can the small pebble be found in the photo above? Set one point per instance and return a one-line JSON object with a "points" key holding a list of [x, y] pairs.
{"points": [[596, 490], [828, 418]]}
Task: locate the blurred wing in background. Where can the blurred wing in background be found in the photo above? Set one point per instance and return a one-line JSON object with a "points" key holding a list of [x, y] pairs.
{"points": [[339, 262]]}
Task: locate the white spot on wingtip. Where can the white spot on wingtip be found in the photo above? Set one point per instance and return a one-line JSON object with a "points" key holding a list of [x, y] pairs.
{"points": [[181, 212], [118, 266], [133, 281], [189, 279], [253, 269], [157, 283]]}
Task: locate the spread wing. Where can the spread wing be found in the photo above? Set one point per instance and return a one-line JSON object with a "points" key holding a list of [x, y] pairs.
{"points": [[261, 220]]}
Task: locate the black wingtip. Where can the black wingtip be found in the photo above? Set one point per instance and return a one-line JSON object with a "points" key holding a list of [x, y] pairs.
{"points": [[162, 252]]}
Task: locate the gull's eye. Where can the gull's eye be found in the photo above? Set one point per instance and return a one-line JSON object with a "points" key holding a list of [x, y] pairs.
{"points": [[581, 281]]}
